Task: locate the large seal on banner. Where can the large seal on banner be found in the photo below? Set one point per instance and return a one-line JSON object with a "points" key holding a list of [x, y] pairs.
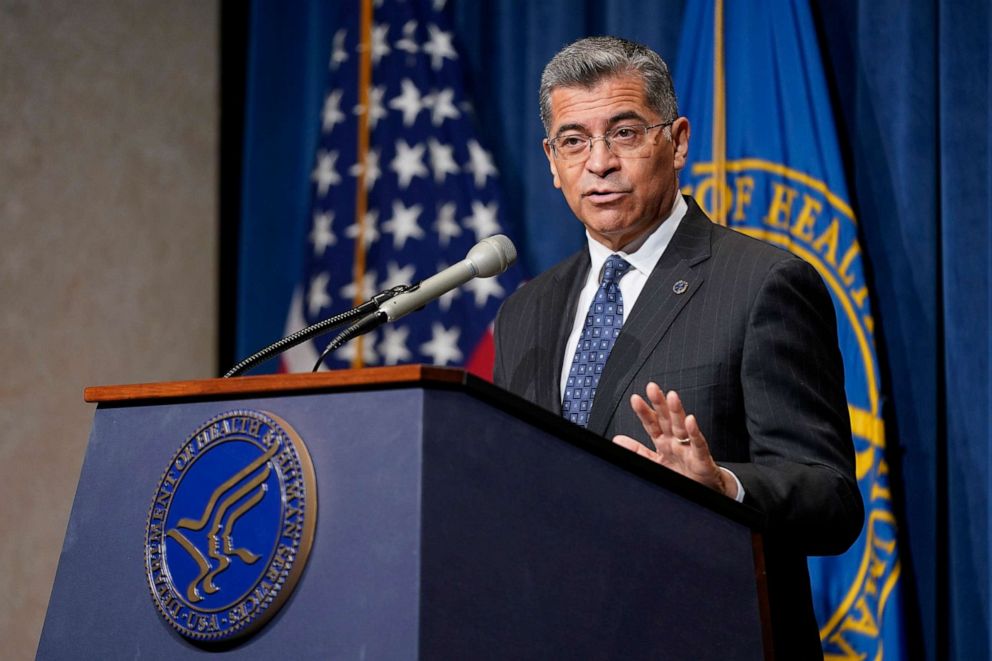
{"points": [[230, 526]]}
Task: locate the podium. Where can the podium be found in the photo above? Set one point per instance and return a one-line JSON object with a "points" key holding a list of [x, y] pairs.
{"points": [[455, 521]]}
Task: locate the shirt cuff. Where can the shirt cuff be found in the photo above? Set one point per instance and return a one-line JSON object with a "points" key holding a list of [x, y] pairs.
{"points": [[740, 487]]}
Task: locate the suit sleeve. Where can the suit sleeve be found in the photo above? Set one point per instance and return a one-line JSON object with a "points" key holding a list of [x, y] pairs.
{"points": [[802, 469]]}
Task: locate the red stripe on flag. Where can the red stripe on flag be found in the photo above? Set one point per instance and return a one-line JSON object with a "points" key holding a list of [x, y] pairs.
{"points": [[480, 363]]}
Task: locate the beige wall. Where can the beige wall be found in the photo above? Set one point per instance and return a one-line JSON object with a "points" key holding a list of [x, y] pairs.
{"points": [[108, 241]]}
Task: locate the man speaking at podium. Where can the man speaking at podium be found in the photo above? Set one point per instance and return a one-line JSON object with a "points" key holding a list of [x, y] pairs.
{"points": [[703, 350]]}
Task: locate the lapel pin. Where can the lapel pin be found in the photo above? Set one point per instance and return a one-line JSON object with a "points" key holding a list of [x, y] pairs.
{"points": [[680, 287]]}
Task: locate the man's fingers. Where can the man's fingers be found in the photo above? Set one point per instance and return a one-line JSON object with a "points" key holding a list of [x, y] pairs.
{"points": [[693, 430], [647, 416], [682, 447], [655, 393], [634, 446], [626, 441], [676, 414], [695, 434], [657, 398], [663, 418]]}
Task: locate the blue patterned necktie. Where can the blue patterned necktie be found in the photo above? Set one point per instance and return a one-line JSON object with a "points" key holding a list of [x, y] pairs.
{"points": [[599, 334]]}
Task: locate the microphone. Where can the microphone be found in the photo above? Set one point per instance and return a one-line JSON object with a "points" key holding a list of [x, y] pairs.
{"points": [[487, 258]]}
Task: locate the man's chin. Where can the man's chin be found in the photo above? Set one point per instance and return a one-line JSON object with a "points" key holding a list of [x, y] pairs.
{"points": [[606, 221], [612, 235]]}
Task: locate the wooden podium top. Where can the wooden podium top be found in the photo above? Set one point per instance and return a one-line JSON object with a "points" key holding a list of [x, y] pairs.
{"points": [[275, 383], [374, 378]]}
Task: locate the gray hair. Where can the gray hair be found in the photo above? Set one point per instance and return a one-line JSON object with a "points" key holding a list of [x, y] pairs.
{"points": [[586, 62]]}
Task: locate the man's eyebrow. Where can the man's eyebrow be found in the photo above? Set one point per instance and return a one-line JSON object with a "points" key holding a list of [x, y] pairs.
{"points": [[625, 115], [574, 126], [619, 117]]}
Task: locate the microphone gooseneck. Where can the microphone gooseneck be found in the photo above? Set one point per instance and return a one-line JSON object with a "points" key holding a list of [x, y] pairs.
{"points": [[487, 258]]}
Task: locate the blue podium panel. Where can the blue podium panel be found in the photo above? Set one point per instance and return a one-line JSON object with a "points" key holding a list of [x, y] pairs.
{"points": [[537, 549], [448, 528], [358, 596]]}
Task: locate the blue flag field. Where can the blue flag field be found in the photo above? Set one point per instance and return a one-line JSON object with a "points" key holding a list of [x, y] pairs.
{"points": [[764, 160]]}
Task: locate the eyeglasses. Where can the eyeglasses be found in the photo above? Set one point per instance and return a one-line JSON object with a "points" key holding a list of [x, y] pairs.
{"points": [[626, 140]]}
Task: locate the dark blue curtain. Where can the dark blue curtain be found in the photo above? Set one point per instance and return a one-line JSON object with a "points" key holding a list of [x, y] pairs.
{"points": [[910, 85]]}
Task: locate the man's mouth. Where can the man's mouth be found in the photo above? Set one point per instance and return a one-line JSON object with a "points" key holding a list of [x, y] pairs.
{"points": [[604, 196]]}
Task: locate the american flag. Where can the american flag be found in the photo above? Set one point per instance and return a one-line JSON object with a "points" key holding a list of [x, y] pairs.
{"points": [[430, 193]]}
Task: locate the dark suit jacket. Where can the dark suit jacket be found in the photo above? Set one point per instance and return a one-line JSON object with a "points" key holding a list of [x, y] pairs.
{"points": [[751, 347]]}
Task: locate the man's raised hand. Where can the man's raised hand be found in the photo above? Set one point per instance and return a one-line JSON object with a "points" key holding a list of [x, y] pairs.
{"points": [[679, 444]]}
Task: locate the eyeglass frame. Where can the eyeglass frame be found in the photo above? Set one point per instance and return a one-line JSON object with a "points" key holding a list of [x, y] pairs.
{"points": [[590, 140]]}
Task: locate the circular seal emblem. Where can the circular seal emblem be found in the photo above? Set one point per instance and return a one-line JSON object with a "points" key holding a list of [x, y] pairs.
{"points": [[230, 526]]}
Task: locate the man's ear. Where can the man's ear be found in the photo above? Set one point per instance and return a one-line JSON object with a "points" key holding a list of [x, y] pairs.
{"points": [[551, 161], [680, 142]]}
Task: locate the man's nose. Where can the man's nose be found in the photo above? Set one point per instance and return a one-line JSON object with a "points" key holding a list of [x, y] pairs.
{"points": [[601, 160]]}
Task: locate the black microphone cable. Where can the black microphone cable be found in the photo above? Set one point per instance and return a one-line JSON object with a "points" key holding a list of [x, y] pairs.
{"points": [[321, 327]]}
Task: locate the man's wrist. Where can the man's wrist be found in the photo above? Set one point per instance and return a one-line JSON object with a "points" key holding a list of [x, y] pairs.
{"points": [[731, 484]]}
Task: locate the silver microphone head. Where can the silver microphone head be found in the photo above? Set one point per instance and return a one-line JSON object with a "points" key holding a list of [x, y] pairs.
{"points": [[492, 256]]}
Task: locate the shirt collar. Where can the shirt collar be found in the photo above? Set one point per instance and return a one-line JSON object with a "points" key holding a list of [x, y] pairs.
{"points": [[644, 253]]}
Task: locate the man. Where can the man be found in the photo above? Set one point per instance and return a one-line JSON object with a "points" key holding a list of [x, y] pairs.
{"points": [[739, 334]]}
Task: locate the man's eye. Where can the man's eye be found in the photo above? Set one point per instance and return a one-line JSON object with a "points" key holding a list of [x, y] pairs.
{"points": [[571, 141], [625, 133]]}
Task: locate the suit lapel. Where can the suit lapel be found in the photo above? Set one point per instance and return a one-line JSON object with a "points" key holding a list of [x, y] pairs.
{"points": [[659, 303], [554, 327]]}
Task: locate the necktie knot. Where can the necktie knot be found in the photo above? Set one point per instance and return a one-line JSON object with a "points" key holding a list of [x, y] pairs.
{"points": [[614, 269]]}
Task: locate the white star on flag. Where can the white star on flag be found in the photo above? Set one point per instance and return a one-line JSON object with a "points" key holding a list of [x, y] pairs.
{"points": [[332, 114], [484, 220], [442, 159], [393, 345], [372, 170], [439, 46], [338, 54], [321, 235], [380, 47], [483, 288], [371, 234], [443, 345], [368, 288], [397, 276], [408, 102], [377, 111], [375, 100], [448, 297], [442, 107], [317, 296], [480, 163], [408, 162], [445, 225], [324, 175], [369, 355], [403, 223], [408, 42]]}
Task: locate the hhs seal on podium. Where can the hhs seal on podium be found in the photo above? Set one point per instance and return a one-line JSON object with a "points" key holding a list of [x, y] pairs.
{"points": [[230, 527]]}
